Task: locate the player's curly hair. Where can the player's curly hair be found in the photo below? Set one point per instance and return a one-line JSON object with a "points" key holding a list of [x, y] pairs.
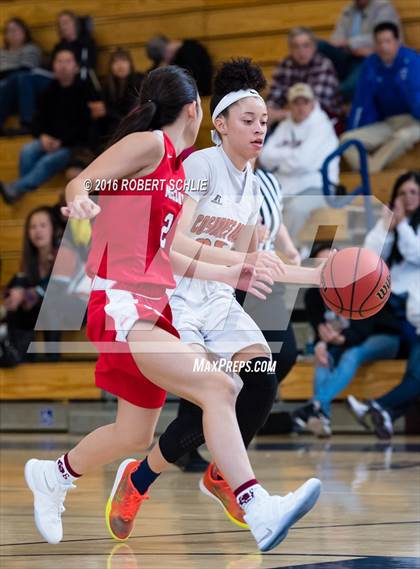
{"points": [[234, 75]]}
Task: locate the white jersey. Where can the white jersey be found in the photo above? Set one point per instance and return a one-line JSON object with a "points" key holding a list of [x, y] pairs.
{"points": [[206, 312], [227, 200]]}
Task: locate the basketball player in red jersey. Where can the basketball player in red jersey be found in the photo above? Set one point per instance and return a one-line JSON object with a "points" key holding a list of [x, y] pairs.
{"points": [[128, 309]]}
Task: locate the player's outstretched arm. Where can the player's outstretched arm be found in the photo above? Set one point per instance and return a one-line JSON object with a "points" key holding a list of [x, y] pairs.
{"points": [[302, 275], [215, 255], [242, 276]]}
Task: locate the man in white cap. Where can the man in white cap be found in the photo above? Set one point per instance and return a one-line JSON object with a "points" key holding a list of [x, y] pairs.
{"points": [[295, 153]]}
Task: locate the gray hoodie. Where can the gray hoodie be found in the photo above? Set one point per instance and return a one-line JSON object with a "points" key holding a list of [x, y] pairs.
{"points": [[376, 12]]}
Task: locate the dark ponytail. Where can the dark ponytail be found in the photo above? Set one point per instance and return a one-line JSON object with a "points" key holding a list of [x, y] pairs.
{"points": [[163, 94], [414, 221]]}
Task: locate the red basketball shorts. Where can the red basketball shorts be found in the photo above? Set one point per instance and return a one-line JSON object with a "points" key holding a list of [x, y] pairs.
{"points": [[111, 315]]}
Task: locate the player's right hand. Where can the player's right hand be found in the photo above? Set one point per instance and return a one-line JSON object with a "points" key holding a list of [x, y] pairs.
{"points": [[82, 207]]}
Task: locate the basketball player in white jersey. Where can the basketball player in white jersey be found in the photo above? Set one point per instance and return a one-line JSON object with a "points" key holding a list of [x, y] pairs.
{"points": [[218, 225]]}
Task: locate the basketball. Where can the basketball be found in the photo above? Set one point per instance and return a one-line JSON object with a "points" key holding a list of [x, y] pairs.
{"points": [[355, 283]]}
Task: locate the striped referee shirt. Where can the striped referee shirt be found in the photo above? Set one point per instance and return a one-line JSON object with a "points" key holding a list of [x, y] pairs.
{"points": [[271, 211]]}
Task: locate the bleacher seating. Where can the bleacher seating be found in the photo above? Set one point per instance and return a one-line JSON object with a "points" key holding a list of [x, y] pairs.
{"points": [[74, 380], [371, 381]]}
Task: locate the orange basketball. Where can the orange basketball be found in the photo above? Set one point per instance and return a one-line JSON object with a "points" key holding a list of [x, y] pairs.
{"points": [[355, 283]]}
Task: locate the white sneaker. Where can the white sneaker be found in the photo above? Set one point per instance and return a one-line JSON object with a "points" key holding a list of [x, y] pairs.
{"points": [[359, 410], [320, 425], [381, 421], [270, 518], [49, 495]]}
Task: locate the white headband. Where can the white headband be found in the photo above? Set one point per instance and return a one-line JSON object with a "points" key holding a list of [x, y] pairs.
{"points": [[223, 104]]}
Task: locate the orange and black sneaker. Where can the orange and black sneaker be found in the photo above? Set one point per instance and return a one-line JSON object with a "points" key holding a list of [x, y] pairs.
{"points": [[215, 486], [124, 502]]}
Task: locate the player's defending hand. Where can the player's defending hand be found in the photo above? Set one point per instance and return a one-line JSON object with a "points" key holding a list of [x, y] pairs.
{"points": [[266, 259], [250, 279], [82, 207]]}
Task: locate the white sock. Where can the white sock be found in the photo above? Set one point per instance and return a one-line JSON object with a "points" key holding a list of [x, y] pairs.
{"points": [[249, 497], [64, 474]]}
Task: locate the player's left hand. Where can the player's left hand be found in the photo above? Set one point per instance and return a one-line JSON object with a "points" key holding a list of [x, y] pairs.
{"points": [[250, 279]]}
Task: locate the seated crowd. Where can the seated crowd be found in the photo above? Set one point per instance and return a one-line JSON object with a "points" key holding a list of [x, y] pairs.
{"points": [[363, 84]]}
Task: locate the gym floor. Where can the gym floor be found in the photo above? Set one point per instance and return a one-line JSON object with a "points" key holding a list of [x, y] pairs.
{"points": [[368, 516]]}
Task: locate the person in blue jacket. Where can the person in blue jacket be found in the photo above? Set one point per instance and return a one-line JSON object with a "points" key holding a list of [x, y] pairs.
{"points": [[386, 108]]}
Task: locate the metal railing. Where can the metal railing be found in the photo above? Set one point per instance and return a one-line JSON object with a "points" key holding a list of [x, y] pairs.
{"points": [[363, 190]]}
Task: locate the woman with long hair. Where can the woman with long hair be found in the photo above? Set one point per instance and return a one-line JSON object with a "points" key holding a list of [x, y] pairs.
{"points": [[78, 40], [396, 238], [121, 87], [401, 250], [18, 56], [24, 293]]}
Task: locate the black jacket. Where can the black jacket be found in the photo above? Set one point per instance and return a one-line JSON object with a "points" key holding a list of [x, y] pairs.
{"points": [[383, 322], [63, 112]]}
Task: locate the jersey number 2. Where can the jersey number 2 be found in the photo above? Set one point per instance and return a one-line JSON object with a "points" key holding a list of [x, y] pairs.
{"points": [[169, 218]]}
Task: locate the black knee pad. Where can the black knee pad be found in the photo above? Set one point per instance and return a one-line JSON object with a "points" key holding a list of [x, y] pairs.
{"points": [[184, 434], [256, 397], [257, 375]]}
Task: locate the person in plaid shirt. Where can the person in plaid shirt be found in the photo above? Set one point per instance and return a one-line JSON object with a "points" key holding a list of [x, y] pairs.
{"points": [[304, 65]]}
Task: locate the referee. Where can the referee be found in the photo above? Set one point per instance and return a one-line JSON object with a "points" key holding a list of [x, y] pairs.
{"points": [[271, 315]]}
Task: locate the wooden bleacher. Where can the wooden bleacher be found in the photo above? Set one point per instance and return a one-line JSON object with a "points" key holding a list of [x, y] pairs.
{"points": [[228, 28], [371, 381], [49, 381], [75, 380]]}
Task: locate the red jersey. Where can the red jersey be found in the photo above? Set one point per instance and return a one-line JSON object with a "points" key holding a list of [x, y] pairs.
{"points": [[133, 233]]}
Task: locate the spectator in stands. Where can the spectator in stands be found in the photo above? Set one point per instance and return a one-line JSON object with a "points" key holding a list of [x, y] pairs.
{"points": [[295, 153], [352, 39], [189, 54], [25, 291], [74, 34], [156, 51], [397, 240], [386, 109], [120, 88], [304, 65], [341, 348], [18, 55], [62, 122], [379, 414]]}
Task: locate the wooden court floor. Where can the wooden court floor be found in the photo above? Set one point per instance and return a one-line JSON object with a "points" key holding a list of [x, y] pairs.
{"points": [[367, 518]]}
